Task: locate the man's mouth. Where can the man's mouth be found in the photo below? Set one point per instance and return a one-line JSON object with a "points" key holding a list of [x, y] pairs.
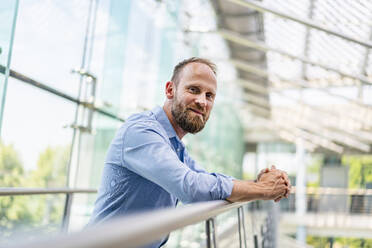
{"points": [[197, 112]]}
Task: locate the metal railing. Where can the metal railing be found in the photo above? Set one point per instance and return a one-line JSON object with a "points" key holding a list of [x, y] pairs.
{"points": [[141, 229], [40, 191], [336, 200], [144, 228]]}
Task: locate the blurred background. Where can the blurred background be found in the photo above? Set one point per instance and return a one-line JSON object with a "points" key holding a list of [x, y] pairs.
{"points": [[294, 90]]}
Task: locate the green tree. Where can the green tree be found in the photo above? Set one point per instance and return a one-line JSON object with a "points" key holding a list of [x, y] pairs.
{"points": [[51, 168], [13, 209], [360, 172], [21, 214], [50, 173]]}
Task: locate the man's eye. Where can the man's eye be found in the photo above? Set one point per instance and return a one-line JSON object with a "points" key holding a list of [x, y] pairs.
{"points": [[193, 90], [209, 96]]}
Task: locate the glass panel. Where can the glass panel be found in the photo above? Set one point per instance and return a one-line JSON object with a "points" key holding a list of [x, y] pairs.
{"points": [[7, 12], [49, 41], [7, 8], [123, 52], [219, 151], [93, 148], [35, 137], [24, 218], [227, 229], [190, 236], [109, 50], [227, 232]]}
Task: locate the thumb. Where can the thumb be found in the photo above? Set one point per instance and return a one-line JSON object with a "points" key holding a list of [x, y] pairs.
{"points": [[273, 167]]}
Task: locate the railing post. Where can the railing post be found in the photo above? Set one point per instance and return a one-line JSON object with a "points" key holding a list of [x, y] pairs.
{"points": [[211, 238], [255, 240], [66, 213], [244, 230], [241, 225]]}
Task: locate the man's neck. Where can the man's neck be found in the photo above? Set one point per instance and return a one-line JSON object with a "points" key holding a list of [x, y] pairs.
{"points": [[168, 111]]}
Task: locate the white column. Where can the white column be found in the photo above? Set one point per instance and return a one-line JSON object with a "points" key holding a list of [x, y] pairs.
{"points": [[300, 189]]}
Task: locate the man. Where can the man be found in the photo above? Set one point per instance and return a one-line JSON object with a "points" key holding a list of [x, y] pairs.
{"points": [[147, 166]]}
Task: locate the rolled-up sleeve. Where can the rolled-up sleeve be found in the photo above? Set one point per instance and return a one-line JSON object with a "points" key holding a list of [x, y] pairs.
{"points": [[147, 152]]}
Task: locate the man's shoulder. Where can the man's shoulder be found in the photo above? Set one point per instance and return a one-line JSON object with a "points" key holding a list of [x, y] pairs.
{"points": [[142, 121]]}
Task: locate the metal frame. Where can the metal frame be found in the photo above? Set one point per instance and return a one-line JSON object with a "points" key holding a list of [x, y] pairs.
{"points": [[45, 87], [134, 230], [265, 9], [307, 37], [288, 131], [312, 132], [210, 230], [263, 73], [241, 227], [237, 38]]}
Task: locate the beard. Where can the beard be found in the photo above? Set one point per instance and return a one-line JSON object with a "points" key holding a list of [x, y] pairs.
{"points": [[189, 122]]}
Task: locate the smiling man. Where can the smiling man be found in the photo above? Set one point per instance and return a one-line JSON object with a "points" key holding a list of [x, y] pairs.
{"points": [[147, 166]]}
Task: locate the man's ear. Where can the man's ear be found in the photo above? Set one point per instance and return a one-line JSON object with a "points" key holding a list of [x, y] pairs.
{"points": [[170, 89]]}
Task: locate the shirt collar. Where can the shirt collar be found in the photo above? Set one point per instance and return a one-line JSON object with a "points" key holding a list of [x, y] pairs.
{"points": [[162, 117]]}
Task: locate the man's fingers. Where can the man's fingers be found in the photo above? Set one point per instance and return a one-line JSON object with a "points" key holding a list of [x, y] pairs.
{"points": [[263, 171], [273, 167], [286, 181]]}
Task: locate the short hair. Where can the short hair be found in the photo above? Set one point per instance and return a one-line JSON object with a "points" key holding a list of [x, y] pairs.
{"points": [[178, 68]]}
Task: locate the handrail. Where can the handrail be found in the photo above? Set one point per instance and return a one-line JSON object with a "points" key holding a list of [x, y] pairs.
{"points": [[334, 191], [138, 229], [40, 191]]}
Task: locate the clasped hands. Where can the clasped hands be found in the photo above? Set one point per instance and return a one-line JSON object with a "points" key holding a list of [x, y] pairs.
{"points": [[275, 183]]}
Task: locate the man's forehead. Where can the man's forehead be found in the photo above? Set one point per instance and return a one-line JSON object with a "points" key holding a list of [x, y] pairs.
{"points": [[197, 68], [198, 72]]}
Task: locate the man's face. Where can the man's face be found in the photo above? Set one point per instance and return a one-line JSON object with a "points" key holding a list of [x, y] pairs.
{"points": [[194, 97]]}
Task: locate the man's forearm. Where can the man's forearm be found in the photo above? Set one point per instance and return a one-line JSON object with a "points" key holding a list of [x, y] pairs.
{"points": [[246, 191], [272, 186]]}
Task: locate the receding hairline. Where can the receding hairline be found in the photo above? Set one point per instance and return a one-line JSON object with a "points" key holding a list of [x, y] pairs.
{"points": [[180, 66]]}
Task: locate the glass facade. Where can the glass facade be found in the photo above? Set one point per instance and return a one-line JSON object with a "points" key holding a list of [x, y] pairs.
{"points": [[114, 54], [80, 68]]}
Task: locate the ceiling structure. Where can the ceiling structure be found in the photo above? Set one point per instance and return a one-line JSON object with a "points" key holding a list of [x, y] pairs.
{"points": [[305, 68]]}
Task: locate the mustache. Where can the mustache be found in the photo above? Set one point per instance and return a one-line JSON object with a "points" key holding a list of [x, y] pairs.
{"points": [[200, 110], [198, 107]]}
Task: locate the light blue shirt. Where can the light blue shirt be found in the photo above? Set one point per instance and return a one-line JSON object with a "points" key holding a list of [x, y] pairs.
{"points": [[147, 167]]}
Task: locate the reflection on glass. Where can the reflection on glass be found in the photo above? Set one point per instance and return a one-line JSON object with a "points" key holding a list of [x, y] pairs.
{"points": [[24, 218], [49, 41], [34, 139]]}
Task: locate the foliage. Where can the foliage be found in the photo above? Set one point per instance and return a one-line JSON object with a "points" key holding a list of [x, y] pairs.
{"points": [[36, 212], [320, 242], [360, 170], [13, 211], [314, 169]]}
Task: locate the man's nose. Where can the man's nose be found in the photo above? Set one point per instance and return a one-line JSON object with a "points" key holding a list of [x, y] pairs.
{"points": [[201, 100]]}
